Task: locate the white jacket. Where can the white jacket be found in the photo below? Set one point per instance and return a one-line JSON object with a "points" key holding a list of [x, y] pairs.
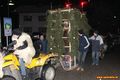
{"points": [[26, 53]]}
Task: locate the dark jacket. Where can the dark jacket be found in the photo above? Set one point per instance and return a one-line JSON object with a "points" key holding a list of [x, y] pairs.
{"points": [[97, 42], [44, 45], [95, 45], [83, 43], [41, 46]]}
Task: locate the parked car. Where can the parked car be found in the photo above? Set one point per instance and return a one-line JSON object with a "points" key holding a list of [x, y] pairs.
{"points": [[112, 40]]}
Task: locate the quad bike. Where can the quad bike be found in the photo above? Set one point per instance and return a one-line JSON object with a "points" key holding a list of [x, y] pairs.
{"points": [[40, 67]]}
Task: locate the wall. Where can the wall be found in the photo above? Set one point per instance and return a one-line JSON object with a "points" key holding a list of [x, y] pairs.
{"points": [[32, 22]]}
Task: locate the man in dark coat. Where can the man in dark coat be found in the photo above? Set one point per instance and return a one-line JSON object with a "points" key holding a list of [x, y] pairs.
{"points": [[83, 48], [97, 43], [42, 43]]}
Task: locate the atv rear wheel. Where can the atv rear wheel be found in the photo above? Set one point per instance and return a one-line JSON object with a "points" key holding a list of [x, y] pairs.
{"points": [[48, 72]]}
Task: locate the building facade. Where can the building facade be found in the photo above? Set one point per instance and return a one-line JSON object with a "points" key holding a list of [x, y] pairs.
{"points": [[32, 19]]}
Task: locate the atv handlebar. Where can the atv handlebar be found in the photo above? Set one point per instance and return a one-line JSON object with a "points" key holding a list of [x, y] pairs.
{"points": [[6, 50]]}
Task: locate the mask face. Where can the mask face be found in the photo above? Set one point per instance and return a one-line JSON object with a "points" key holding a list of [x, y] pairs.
{"points": [[80, 34], [95, 34], [41, 37], [15, 37]]}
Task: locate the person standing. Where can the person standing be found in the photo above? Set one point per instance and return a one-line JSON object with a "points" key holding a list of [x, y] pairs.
{"points": [[97, 43], [83, 49], [42, 43]]}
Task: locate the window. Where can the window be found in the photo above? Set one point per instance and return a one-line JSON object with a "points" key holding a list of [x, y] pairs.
{"points": [[42, 18], [27, 18]]}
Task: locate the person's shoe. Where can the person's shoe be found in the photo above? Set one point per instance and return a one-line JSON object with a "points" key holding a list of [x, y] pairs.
{"points": [[93, 64], [97, 64], [78, 68], [24, 77], [82, 69]]}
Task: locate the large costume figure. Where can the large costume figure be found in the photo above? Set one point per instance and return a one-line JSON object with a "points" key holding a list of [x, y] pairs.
{"points": [[24, 46]]}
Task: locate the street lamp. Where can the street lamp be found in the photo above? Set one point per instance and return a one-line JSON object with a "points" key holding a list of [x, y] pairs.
{"points": [[11, 3]]}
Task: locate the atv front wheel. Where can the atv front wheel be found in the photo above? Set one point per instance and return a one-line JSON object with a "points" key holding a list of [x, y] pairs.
{"points": [[48, 72]]}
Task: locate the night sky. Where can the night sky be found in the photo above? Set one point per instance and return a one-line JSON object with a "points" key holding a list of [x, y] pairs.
{"points": [[103, 15]]}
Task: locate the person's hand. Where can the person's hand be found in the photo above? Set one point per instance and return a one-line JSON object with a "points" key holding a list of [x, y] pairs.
{"points": [[85, 47], [40, 46], [4, 47], [11, 49]]}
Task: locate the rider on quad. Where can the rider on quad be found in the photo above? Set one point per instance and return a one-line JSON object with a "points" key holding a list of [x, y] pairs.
{"points": [[23, 48]]}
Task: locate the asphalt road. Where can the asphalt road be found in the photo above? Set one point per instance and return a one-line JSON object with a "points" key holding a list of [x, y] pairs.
{"points": [[108, 67]]}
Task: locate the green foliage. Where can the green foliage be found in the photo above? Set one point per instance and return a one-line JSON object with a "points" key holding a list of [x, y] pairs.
{"points": [[55, 27]]}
